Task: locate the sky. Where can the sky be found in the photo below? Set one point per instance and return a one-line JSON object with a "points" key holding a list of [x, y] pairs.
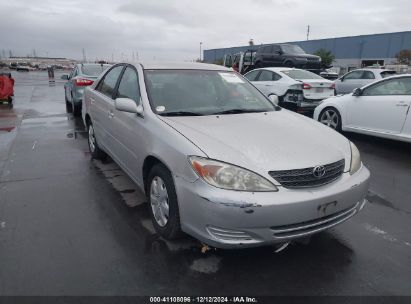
{"points": [[173, 29]]}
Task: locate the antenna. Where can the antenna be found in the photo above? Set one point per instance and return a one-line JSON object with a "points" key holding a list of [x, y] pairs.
{"points": [[84, 55], [308, 31]]}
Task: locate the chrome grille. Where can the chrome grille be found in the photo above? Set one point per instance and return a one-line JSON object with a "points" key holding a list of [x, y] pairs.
{"points": [[303, 178]]}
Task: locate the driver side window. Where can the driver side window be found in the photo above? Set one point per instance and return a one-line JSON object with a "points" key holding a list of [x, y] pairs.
{"points": [[353, 75], [128, 87], [390, 87]]}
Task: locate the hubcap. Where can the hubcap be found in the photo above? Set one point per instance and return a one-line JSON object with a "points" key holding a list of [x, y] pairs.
{"points": [[159, 201], [91, 139], [330, 119]]}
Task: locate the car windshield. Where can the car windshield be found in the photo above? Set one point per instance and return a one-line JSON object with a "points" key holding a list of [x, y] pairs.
{"points": [[388, 73], [301, 74], [200, 92], [292, 49], [94, 69]]}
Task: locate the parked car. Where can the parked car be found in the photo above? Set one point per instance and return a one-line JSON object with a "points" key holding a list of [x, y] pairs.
{"points": [[298, 90], [358, 78], [81, 76], [217, 159], [286, 55], [380, 109], [329, 74]]}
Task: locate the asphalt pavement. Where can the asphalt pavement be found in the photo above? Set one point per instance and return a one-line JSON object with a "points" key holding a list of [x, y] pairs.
{"points": [[72, 226]]}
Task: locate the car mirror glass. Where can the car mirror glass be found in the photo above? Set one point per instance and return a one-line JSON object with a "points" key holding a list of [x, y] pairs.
{"points": [[274, 99], [65, 77]]}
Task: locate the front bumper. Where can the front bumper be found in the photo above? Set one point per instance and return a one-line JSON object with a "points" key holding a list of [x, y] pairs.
{"points": [[234, 219]]}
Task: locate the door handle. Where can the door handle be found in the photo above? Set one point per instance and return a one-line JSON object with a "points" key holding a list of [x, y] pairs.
{"points": [[110, 114]]}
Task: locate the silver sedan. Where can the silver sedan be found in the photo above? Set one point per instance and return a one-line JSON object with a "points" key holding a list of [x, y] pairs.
{"points": [[217, 159]]}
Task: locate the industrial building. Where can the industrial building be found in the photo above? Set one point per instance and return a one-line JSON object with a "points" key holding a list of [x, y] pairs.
{"points": [[350, 52]]}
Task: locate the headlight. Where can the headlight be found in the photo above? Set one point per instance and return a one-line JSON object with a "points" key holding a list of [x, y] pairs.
{"points": [[355, 159], [226, 176]]}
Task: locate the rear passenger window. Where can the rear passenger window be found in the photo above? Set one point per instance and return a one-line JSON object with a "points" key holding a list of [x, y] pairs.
{"points": [[252, 75], [128, 87], [368, 75], [265, 76], [108, 83]]}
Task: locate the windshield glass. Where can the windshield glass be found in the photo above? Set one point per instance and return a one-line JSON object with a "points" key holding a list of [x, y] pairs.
{"points": [[94, 69], [301, 74], [199, 92], [292, 49]]}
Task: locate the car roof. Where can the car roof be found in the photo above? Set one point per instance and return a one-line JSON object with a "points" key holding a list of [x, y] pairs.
{"points": [[159, 65], [373, 70], [278, 69], [89, 64]]}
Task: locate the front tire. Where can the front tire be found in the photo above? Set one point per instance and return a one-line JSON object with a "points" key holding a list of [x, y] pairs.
{"points": [[94, 148], [331, 118], [163, 202]]}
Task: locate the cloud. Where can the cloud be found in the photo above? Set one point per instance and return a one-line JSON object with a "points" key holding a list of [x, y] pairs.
{"points": [[173, 29]]}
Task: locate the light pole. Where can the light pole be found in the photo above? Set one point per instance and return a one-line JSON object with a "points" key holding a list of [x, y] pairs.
{"points": [[200, 49]]}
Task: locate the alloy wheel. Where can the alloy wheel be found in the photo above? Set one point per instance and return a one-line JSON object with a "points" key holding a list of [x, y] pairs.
{"points": [[159, 201], [330, 118], [91, 139]]}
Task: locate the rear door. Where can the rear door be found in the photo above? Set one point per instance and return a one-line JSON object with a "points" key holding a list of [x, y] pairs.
{"points": [[382, 107], [269, 82], [68, 86], [102, 106]]}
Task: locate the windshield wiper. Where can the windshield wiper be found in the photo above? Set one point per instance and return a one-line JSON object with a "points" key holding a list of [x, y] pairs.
{"points": [[180, 113], [239, 111]]}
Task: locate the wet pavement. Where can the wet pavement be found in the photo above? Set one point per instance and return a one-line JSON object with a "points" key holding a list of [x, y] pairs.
{"points": [[72, 226]]}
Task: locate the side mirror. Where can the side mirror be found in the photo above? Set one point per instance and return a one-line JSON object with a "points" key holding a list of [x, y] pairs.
{"points": [[274, 99], [64, 77], [128, 105], [357, 92]]}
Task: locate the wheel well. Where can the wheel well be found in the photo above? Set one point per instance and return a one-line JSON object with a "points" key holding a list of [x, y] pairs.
{"points": [[149, 163]]}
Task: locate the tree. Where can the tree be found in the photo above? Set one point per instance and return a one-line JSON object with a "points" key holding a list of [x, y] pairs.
{"points": [[251, 42], [404, 57], [326, 56]]}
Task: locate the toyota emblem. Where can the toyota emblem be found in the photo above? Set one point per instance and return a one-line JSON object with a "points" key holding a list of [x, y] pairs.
{"points": [[319, 171]]}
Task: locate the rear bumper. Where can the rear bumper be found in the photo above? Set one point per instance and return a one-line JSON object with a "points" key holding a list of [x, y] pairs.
{"points": [[232, 219]]}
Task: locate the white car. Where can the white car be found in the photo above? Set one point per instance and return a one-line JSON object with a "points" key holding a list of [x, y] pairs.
{"points": [[298, 90], [381, 109], [359, 78]]}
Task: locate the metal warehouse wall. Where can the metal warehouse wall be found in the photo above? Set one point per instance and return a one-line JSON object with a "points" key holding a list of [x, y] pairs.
{"points": [[364, 46]]}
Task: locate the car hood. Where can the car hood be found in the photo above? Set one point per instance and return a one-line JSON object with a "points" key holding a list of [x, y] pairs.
{"points": [[278, 140]]}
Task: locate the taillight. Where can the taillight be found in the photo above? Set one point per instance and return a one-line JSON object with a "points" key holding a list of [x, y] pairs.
{"points": [[306, 86], [332, 85], [81, 82]]}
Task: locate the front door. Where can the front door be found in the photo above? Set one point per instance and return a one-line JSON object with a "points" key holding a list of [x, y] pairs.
{"points": [[126, 127], [382, 107]]}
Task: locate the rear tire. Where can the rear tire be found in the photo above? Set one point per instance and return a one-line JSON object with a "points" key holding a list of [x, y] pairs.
{"points": [[288, 64], [163, 204], [95, 150], [76, 109], [331, 118], [69, 108]]}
